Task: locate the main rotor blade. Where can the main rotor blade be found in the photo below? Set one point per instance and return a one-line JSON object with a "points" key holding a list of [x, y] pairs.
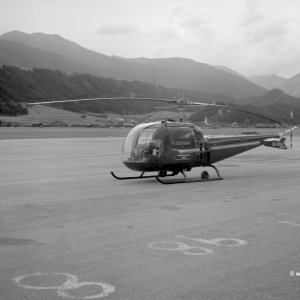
{"points": [[94, 99], [237, 109], [164, 107], [180, 102]]}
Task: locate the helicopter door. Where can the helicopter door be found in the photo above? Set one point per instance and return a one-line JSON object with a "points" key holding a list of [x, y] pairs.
{"points": [[204, 157]]}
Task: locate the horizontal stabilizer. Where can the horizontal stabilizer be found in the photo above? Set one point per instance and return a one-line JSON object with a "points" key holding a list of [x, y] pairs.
{"points": [[275, 143]]}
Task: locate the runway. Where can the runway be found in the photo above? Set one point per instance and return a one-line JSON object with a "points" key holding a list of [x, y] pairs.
{"points": [[71, 231]]}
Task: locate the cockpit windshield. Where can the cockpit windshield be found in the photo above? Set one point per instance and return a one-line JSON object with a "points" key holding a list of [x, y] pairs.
{"points": [[143, 143]]}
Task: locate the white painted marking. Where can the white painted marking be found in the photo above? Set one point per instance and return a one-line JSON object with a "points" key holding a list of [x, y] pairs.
{"points": [[204, 251], [29, 181], [290, 223], [105, 287], [291, 215], [63, 290], [193, 250], [50, 180], [181, 247], [228, 242], [69, 279]]}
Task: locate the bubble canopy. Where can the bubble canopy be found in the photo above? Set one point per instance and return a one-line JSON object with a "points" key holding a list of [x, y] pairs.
{"points": [[143, 143], [148, 146]]}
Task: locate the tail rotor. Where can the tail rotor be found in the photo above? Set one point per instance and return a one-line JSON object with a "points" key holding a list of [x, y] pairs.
{"points": [[290, 131]]}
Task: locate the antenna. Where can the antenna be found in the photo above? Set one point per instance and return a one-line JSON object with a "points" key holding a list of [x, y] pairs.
{"points": [[181, 114], [180, 102], [291, 126]]}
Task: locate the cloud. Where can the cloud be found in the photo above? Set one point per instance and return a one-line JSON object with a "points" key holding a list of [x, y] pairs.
{"points": [[164, 35], [260, 26], [253, 15], [112, 30], [273, 32], [192, 25], [251, 36], [199, 27]]}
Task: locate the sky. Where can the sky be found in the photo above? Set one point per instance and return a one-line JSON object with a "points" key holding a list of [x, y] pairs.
{"points": [[253, 37]]}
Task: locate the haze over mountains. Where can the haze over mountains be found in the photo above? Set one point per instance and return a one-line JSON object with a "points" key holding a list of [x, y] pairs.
{"points": [[290, 86], [167, 76], [53, 52]]}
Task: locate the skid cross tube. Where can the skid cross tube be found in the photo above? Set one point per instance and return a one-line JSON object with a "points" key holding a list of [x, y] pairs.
{"points": [[186, 180], [217, 171]]}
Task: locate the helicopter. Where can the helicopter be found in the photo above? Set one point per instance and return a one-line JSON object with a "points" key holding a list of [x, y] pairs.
{"points": [[169, 147]]}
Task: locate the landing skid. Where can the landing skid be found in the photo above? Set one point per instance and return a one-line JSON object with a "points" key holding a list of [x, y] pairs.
{"points": [[204, 177], [142, 176], [163, 174]]}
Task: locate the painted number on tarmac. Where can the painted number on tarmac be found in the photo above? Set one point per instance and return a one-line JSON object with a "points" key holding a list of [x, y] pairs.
{"points": [[68, 288], [194, 250], [180, 247], [228, 242], [289, 223]]}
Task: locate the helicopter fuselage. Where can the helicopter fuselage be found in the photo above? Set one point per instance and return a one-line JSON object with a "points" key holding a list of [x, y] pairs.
{"points": [[173, 146]]}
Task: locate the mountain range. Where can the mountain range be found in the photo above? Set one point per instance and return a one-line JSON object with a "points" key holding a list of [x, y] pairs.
{"points": [[275, 104], [141, 77], [290, 86], [39, 50]]}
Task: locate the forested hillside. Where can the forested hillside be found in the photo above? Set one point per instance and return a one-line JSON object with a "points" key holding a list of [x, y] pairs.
{"points": [[23, 86], [36, 85], [8, 97]]}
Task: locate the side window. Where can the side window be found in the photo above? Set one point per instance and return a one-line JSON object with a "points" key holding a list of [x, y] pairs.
{"points": [[182, 137]]}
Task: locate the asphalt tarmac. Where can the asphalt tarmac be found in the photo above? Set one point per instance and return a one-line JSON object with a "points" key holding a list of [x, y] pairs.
{"points": [[71, 231]]}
